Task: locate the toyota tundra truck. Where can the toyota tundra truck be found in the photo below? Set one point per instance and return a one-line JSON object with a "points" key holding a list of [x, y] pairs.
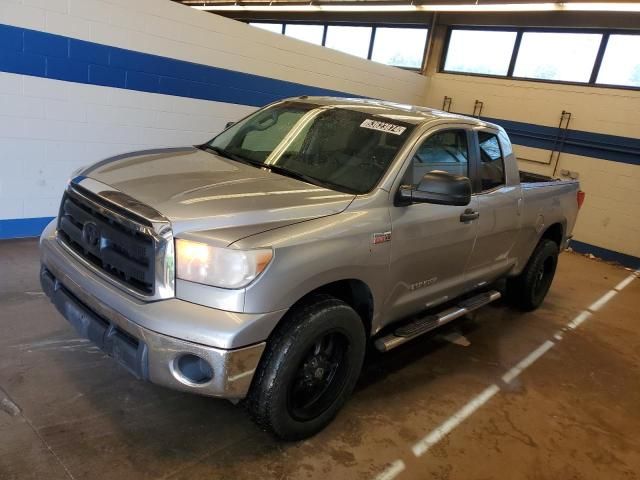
{"points": [[263, 263]]}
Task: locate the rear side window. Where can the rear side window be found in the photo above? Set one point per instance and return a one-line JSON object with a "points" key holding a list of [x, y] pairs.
{"points": [[444, 151], [491, 161]]}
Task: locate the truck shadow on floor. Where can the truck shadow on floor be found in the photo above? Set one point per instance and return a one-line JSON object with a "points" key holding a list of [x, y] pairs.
{"points": [[140, 429]]}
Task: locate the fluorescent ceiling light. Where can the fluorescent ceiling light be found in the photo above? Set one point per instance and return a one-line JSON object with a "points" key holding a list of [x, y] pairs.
{"points": [[506, 7]]}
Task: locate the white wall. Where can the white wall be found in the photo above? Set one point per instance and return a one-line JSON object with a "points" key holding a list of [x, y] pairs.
{"points": [[50, 127], [610, 217]]}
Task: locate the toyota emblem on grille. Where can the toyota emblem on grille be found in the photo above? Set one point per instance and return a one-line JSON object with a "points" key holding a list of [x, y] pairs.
{"points": [[91, 234]]}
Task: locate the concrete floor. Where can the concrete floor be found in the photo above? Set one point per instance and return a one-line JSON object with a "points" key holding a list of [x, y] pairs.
{"points": [[574, 414]]}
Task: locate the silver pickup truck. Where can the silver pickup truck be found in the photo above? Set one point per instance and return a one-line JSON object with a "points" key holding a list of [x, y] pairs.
{"points": [[261, 264]]}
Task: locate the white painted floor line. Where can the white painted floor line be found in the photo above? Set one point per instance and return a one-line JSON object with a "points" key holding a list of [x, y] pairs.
{"points": [[625, 282], [601, 302], [576, 322], [527, 361], [392, 471], [456, 419], [424, 445]]}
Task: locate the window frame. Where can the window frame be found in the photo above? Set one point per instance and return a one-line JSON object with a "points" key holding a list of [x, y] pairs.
{"points": [[477, 180], [372, 25], [407, 26], [314, 24], [420, 138], [372, 36], [426, 138], [606, 33]]}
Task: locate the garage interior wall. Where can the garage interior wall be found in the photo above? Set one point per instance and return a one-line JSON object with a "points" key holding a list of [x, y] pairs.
{"points": [[603, 147], [604, 127], [81, 80], [84, 79]]}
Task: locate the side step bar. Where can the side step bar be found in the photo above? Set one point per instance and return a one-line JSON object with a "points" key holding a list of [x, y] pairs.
{"points": [[423, 325]]}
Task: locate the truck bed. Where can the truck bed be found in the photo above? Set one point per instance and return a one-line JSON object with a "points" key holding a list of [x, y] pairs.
{"points": [[528, 177]]}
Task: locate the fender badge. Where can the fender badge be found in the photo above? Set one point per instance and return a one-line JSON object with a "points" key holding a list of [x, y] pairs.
{"points": [[381, 238]]}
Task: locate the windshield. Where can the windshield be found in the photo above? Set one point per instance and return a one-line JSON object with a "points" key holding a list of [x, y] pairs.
{"points": [[336, 148]]}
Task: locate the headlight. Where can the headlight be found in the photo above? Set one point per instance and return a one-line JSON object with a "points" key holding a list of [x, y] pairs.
{"points": [[219, 267]]}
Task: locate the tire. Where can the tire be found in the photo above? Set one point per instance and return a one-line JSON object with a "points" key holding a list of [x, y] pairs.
{"points": [[528, 290], [281, 398]]}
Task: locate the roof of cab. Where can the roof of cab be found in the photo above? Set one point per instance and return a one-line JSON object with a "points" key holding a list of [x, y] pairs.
{"points": [[391, 110]]}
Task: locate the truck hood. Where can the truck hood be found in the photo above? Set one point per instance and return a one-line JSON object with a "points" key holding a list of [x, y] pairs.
{"points": [[199, 191]]}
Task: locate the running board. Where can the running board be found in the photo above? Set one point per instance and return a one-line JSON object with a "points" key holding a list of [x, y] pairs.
{"points": [[423, 325]]}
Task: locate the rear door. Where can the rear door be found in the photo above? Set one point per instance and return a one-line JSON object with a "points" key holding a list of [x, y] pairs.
{"points": [[430, 244], [498, 202]]}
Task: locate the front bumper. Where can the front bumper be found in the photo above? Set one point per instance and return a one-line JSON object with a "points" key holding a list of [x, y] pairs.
{"points": [[149, 355], [94, 309]]}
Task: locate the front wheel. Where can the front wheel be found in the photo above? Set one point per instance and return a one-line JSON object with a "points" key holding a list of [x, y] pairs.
{"points": [[528, 290], [309, 369]]}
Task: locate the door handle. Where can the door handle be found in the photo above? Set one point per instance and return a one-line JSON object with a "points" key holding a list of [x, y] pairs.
{"points": [[469, 215]]}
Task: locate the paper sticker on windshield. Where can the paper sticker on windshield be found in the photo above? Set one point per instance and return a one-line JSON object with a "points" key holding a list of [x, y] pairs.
{"points": [[383, 126]]}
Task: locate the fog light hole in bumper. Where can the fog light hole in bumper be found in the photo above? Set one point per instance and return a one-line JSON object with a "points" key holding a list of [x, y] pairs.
{"points": [[192, 370]]}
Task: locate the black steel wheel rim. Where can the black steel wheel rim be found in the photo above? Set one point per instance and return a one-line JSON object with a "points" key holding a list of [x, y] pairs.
{"points": [[320, 376], [543, 277]]}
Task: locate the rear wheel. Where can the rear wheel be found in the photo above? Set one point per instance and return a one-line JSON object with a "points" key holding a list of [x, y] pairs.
{"points": [[528, 290], [309, 369]]}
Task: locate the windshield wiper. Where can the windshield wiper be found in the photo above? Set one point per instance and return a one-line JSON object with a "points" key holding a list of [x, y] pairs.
{"points": [[231, 156], [307, 178]]}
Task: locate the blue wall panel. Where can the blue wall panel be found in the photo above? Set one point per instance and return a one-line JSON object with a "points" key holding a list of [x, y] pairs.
{"points": [[23, 227], [31, 52], [606, 254]]}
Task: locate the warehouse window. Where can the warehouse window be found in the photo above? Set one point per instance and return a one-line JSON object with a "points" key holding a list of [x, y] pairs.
{"points": [[401, 47], [307, 33], [483, 52], [351, 40], [596, 57], [619, 65], [272, 27], [566, 57]]}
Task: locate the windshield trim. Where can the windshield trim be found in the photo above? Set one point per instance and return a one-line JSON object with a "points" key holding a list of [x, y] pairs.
{"points": [[314, 109]]}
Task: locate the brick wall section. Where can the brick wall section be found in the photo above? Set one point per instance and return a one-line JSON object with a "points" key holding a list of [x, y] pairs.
{"points": [[162, 27], [49, 127]]}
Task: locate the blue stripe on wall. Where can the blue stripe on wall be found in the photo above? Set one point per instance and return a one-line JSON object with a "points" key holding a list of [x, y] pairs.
{"points": [[588, 144], [23, 227], [606, 254], [30, 52]]}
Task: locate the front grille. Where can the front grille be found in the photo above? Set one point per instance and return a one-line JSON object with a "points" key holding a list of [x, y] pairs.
{"points": [[112, 246]]}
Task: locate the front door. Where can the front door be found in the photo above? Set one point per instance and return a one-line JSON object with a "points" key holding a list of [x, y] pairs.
{"points": [[430, 244]]}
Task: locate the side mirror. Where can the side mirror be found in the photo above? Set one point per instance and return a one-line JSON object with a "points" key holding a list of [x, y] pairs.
{"points": [[229, 125], [440, 188]]}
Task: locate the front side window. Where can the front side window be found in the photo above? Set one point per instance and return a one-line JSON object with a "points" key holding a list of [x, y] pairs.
{"points": [[443, 151], [337, 148], [491, 161]]}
